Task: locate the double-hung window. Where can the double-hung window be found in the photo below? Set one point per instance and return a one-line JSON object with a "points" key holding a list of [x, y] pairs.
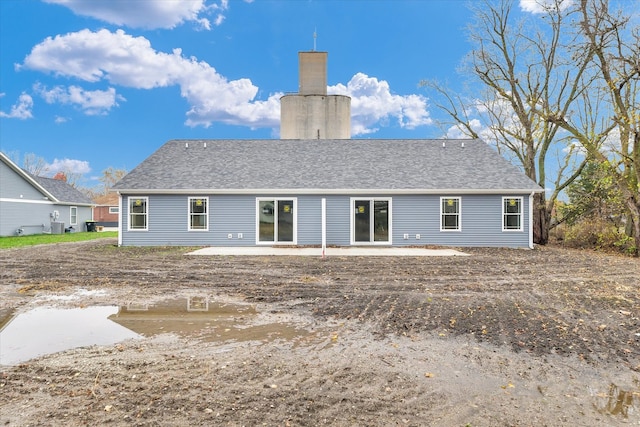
{"points": [[73, 215], [138, 213], [198, 213], [512, 214], [449, 213]]}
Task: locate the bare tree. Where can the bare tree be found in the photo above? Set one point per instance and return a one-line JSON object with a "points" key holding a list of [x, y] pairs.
{"points": [[29, 162], [606, 120], [110, 176], [522, 69]]}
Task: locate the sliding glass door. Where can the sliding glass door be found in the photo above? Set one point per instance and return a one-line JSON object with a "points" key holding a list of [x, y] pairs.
{"points": [[371, 221], [276, 220]]}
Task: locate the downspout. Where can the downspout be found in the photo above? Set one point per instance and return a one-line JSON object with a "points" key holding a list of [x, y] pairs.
{"points": [[120, 213], [324, 226], [531, 219]]}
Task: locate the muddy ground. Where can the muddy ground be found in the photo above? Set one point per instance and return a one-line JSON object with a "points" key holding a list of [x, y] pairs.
{"points": [[548, 337]]}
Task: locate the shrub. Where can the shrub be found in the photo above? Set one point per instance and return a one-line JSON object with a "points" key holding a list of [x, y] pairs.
{"points": [[598, 233]]}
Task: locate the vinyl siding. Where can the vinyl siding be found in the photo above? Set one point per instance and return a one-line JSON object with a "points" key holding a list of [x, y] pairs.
{"points": [[338, 220], [35, 218], [480, 222], [235, 216], [16, 187], [22, 206]]}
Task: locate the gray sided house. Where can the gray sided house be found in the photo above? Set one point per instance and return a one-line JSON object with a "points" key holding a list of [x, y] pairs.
{"points": [[334, 192], [32, 204]]}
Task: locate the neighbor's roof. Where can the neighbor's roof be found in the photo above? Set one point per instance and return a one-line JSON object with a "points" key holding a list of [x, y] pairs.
{"points": [[109, 199], [55, 190], [62, 191], [329, 166]]}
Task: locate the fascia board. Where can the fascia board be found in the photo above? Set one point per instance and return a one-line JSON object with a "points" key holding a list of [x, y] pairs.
{"points": [[293, 191]]}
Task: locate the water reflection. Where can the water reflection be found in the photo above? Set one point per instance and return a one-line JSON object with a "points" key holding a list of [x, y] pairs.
{"points": [[200, 318], [47, 330], [618, 401]]}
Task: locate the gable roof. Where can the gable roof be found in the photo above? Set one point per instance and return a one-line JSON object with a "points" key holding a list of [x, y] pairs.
{"points": [[327, 166], [62, 191], [55, 190]]}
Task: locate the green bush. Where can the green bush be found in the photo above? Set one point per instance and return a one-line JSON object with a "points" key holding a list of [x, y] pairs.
{"points": [[598, 233]]}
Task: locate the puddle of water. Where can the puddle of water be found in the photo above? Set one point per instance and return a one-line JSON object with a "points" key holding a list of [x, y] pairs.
{"points": [[5, 316], [197, 317], [46, 330], [619, 402], [49, 330]]}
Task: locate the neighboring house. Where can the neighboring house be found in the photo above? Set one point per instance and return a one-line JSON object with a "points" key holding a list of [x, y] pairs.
{"points": [[335, 192], [32, 204], [106, 212]]}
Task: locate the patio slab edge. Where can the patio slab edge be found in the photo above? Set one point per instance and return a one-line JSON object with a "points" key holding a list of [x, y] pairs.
{"points": [[329, 252]]}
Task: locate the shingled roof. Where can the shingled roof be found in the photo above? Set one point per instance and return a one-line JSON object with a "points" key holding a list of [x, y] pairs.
{"points": [[62, 191], [328, 166]]}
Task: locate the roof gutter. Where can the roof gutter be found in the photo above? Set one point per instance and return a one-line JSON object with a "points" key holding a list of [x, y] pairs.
{"points": [[333, 191]]}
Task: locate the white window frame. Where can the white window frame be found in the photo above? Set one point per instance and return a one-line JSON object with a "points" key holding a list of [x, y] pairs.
{"points": [[352, 224], [459, 214], [146, 214], [114, 209], [73, 215], [275, 220], [190, 214], [520, 214]]}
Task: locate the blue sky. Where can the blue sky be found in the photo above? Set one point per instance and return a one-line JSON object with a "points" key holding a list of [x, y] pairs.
{"points": [[92, 84]]}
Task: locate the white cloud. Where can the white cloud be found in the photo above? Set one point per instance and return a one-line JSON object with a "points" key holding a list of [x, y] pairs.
{"points": [[459, 132], [131, 61], [92, 102], [21, 109], [124, 60], [148, 13], [68, 165], [373, 103], [60, 119], [542, 6]]}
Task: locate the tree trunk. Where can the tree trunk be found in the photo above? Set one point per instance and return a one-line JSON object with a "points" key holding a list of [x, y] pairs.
{"points": [[634, 210], [540, 219]]}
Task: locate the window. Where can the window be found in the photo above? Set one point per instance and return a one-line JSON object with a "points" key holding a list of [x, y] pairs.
{"points": [[370, 221], [449, 213], [512, 214], [138, 211], [73, 215], [276, 220], [198, 214], [114, 210]]}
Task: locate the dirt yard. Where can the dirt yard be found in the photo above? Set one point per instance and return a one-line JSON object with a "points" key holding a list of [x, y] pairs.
{"points": [[548, 337]]}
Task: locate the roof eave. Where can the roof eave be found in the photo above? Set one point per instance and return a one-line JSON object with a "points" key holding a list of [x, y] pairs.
{"points": [[332, 191]]}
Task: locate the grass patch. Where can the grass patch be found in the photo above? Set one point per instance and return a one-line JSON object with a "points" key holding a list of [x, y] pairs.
{"points": [[43, 239]]}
